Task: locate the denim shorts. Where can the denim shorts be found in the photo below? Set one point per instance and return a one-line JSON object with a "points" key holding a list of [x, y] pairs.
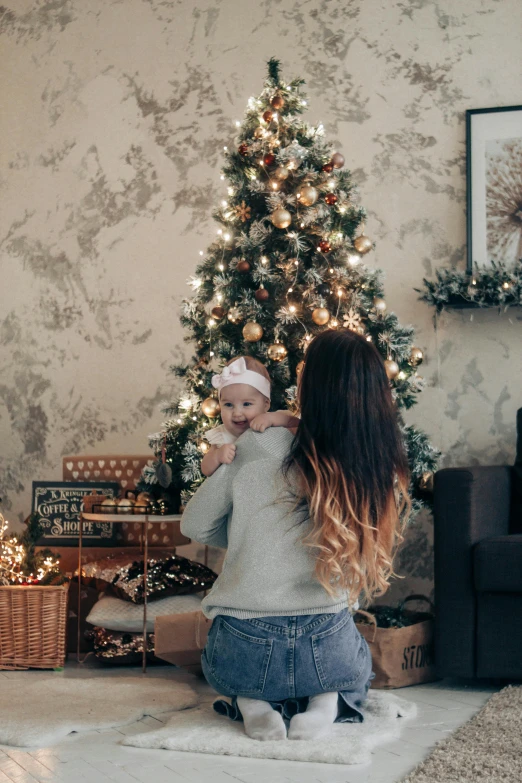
{"points": [[285, 660]]}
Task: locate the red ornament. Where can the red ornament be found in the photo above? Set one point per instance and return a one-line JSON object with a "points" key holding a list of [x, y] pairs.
{"points": [[243, 149], [328, 167], [324, 246], [262, 295], [337, 160], [277, 102], [268, 116], [330, 199], [243, 266], [268, 159]]}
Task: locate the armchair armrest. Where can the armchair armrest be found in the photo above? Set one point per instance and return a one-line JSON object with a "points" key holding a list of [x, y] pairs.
{"points": [[470, 504]]}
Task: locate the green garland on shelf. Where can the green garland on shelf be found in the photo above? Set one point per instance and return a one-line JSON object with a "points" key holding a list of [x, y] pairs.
{"points": [[495, 286]]}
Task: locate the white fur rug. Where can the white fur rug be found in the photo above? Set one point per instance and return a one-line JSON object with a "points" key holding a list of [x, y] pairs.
{"points": [[39, 709], [203, 731]]}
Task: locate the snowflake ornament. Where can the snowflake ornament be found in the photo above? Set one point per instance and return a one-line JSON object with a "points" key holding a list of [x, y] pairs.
{"points": [[352, 321], [243, 212]]}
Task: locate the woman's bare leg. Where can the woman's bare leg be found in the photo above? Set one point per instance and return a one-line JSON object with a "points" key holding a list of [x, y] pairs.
{"points": [[318, 718], [261, 721]]}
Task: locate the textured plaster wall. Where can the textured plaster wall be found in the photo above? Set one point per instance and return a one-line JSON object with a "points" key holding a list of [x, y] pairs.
{"points": [[113, 116]]}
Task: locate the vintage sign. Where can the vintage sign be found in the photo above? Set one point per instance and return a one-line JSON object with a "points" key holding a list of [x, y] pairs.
{"points": [[58, 504]]}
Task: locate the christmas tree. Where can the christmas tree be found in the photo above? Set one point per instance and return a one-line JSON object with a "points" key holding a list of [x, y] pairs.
{"points": [[287, 263]]}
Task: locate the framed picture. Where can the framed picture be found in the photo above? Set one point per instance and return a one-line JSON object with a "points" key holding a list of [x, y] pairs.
{"points": [[494, 185], [58, 505]]}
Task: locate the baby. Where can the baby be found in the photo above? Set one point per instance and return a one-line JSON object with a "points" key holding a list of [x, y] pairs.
{"points": [[244, 397]]}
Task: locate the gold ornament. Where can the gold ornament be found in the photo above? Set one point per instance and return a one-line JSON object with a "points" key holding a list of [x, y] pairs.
{"points": [[210, 407], [308, 195], [252, 332], [426, 481], [281, 173], [362, 244], [277, 352], [277, 102], [300, 367], [320, 316], [234, 315], [281, 218], [217, 312], [125, 506], [380, 305], [337, 160], [258, 132], [109, 506], [392, 368], [416, 356]]}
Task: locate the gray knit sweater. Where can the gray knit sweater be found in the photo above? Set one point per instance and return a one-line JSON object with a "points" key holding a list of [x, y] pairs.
{"points": [[248, 508]]}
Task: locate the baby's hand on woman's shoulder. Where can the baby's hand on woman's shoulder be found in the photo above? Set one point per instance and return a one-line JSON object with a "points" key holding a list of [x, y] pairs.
{"points": [[262, 421], [226, 453]]}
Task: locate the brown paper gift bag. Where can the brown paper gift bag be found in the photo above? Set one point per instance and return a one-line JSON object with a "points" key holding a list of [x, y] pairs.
{"points": [[179, 638], [401, 656]]}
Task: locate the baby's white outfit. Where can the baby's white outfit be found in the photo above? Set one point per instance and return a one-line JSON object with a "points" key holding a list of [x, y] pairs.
{"points": [[218, 436]]}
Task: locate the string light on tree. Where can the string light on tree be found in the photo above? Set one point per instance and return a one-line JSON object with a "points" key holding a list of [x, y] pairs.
{"points": [[380, 305]]}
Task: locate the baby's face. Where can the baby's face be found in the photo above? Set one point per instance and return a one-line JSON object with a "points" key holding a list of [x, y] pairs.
{"points": [[240, 403]]}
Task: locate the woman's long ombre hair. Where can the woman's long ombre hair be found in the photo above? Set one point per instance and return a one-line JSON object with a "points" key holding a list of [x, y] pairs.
{"points": [[351, 464]]}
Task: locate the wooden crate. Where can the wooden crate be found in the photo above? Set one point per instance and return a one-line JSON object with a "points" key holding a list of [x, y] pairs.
{"points": [[33, 624]]}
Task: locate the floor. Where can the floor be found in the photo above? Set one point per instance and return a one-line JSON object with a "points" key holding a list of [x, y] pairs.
{"points": [[98, 757]]}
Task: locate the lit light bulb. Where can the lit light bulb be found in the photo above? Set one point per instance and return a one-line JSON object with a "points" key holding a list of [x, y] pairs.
{"points": [[506, 285], [342, 210], [302, 225], [296, 262], [178, 421], [331, 270], [290, 290], [303, 103], [201, 253], [186, 405], [219, 297], [238, 124], [353, 259], [401, 375], [222, 176], [334, 323], [277, 143], [225, 148], [219, 231], [292, 308], [331, 183], [211, 322], [264, 260], [211, 353], [339, 292], [194, 418], [369, 338], [275, 185], [221, 267], [308, 337], [224, 203], [226, 237], [230, 191]]}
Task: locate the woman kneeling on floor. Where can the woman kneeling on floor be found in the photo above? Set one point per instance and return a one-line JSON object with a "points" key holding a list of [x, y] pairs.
{"points": [[310, 523]]}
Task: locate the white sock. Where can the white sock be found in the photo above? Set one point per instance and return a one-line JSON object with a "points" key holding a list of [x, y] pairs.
{"points": [[318, 718], [261, 721]]}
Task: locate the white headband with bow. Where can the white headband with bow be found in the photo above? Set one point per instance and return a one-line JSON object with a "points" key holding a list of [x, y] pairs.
{"points": [[237, 372]]}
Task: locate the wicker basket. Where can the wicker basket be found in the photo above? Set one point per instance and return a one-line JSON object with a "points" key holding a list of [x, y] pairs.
{"points": [[33, 623]]}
